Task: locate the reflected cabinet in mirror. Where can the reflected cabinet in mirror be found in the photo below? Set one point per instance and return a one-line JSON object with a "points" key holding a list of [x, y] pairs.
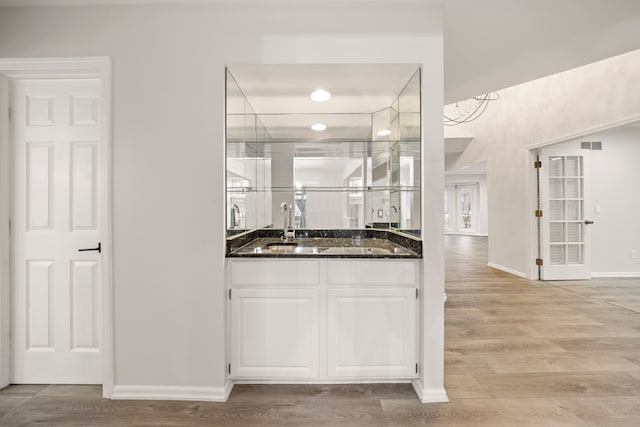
{"points": [[349, 162]]}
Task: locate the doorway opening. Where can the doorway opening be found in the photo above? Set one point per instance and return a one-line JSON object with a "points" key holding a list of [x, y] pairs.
{"points": [[586, 225]]}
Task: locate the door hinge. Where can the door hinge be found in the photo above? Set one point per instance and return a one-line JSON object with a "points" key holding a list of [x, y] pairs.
{"points": [[229, 368], [417, 293], [229, 293], [538, 261], [539, 213], [537, 164], [416, 368]]}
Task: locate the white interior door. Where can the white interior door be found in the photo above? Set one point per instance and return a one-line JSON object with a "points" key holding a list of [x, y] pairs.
{"points": [[57, 288], [564, 193]]}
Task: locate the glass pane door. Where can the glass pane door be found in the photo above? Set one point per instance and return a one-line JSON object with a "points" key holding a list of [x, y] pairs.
{"points": [[564, 194], [466, 208], [566, 204], [461, 208], [449, 209]]}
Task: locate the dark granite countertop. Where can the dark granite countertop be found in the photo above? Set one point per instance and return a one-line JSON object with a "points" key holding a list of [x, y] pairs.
{"points": [[268, 243]]}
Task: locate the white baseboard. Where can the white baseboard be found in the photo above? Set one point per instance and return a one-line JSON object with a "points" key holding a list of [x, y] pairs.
{"points": [[143, 392], [616, 274], [429, 394], [324, 381], [462, 233], [507, 270]]}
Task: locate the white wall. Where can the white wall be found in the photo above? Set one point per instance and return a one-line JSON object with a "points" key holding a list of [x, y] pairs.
{"points": [[614, 176], [168, 153], [481, 210], [557, 108]]}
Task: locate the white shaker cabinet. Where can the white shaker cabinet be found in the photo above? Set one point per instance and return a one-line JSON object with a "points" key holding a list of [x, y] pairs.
{"points": [[275, 333], [371, 333], [322, 320]]}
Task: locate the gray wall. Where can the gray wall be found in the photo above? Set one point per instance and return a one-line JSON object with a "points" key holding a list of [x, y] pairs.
{"points": [[168, 154]]}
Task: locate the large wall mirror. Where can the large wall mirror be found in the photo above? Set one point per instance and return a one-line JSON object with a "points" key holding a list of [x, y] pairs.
{"points": [[349, 162]]}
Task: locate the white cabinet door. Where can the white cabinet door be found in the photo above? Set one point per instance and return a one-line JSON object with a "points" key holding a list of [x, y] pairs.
{"points": [[57, 290], [371, 333], [275, 333]]}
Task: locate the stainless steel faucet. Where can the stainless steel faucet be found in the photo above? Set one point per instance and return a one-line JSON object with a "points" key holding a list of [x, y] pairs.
{"points": [[235, 216], [288, 230]]}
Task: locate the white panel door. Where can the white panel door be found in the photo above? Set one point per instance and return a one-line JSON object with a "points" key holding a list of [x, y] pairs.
{"points": [[275, 333], [564, 194], [371, 333], [57, 289]]}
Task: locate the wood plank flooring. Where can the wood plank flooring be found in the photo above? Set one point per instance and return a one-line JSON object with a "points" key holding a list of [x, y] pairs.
{"points": [[518, 353]]}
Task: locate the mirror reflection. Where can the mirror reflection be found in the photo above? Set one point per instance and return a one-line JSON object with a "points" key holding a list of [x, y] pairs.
{"points": [[351, 162]]}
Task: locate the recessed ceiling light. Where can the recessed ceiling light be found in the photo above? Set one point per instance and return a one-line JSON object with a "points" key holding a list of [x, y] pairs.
{"points": [[384, 132], [320, 95], [319, 126]]}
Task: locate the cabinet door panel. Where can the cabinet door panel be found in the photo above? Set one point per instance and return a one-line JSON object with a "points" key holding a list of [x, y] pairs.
{"points": [[275, 333], [371, 333]]}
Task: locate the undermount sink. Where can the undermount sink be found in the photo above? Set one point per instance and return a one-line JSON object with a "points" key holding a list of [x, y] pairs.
{"points": [[281, 246], [289, 248]]}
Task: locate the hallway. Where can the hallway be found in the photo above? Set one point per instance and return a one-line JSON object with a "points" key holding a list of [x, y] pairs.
{"points": [[517, 353], [520, 351]]}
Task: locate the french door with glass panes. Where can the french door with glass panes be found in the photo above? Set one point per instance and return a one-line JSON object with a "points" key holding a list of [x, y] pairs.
{"points": [[564, 196], [461, 208]]}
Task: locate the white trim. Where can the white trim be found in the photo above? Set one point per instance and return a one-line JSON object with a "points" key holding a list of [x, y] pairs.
{"points": [[590, 131], [108, 372], [325, 381], [90, 67], [27, 3], [430, 394], [150, 392], [47, 68], [507, 270], [5, 241], [605, 274], [531, 204]]}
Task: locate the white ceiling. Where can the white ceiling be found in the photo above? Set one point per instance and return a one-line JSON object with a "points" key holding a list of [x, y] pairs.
{"points": [[494, 44], [356, 88]]}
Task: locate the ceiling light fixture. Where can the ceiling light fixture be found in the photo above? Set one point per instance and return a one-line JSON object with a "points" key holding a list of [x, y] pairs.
{"points": [[320, 95], [319, 126], [384, 132], [468, 110]]}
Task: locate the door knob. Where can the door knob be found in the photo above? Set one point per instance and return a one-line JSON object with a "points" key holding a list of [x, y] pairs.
{"points": [[99, 249], [588, 222]]}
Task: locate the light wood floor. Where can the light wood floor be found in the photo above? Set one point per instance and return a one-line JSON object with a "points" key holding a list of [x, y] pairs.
{"points": [[518, 353]]}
